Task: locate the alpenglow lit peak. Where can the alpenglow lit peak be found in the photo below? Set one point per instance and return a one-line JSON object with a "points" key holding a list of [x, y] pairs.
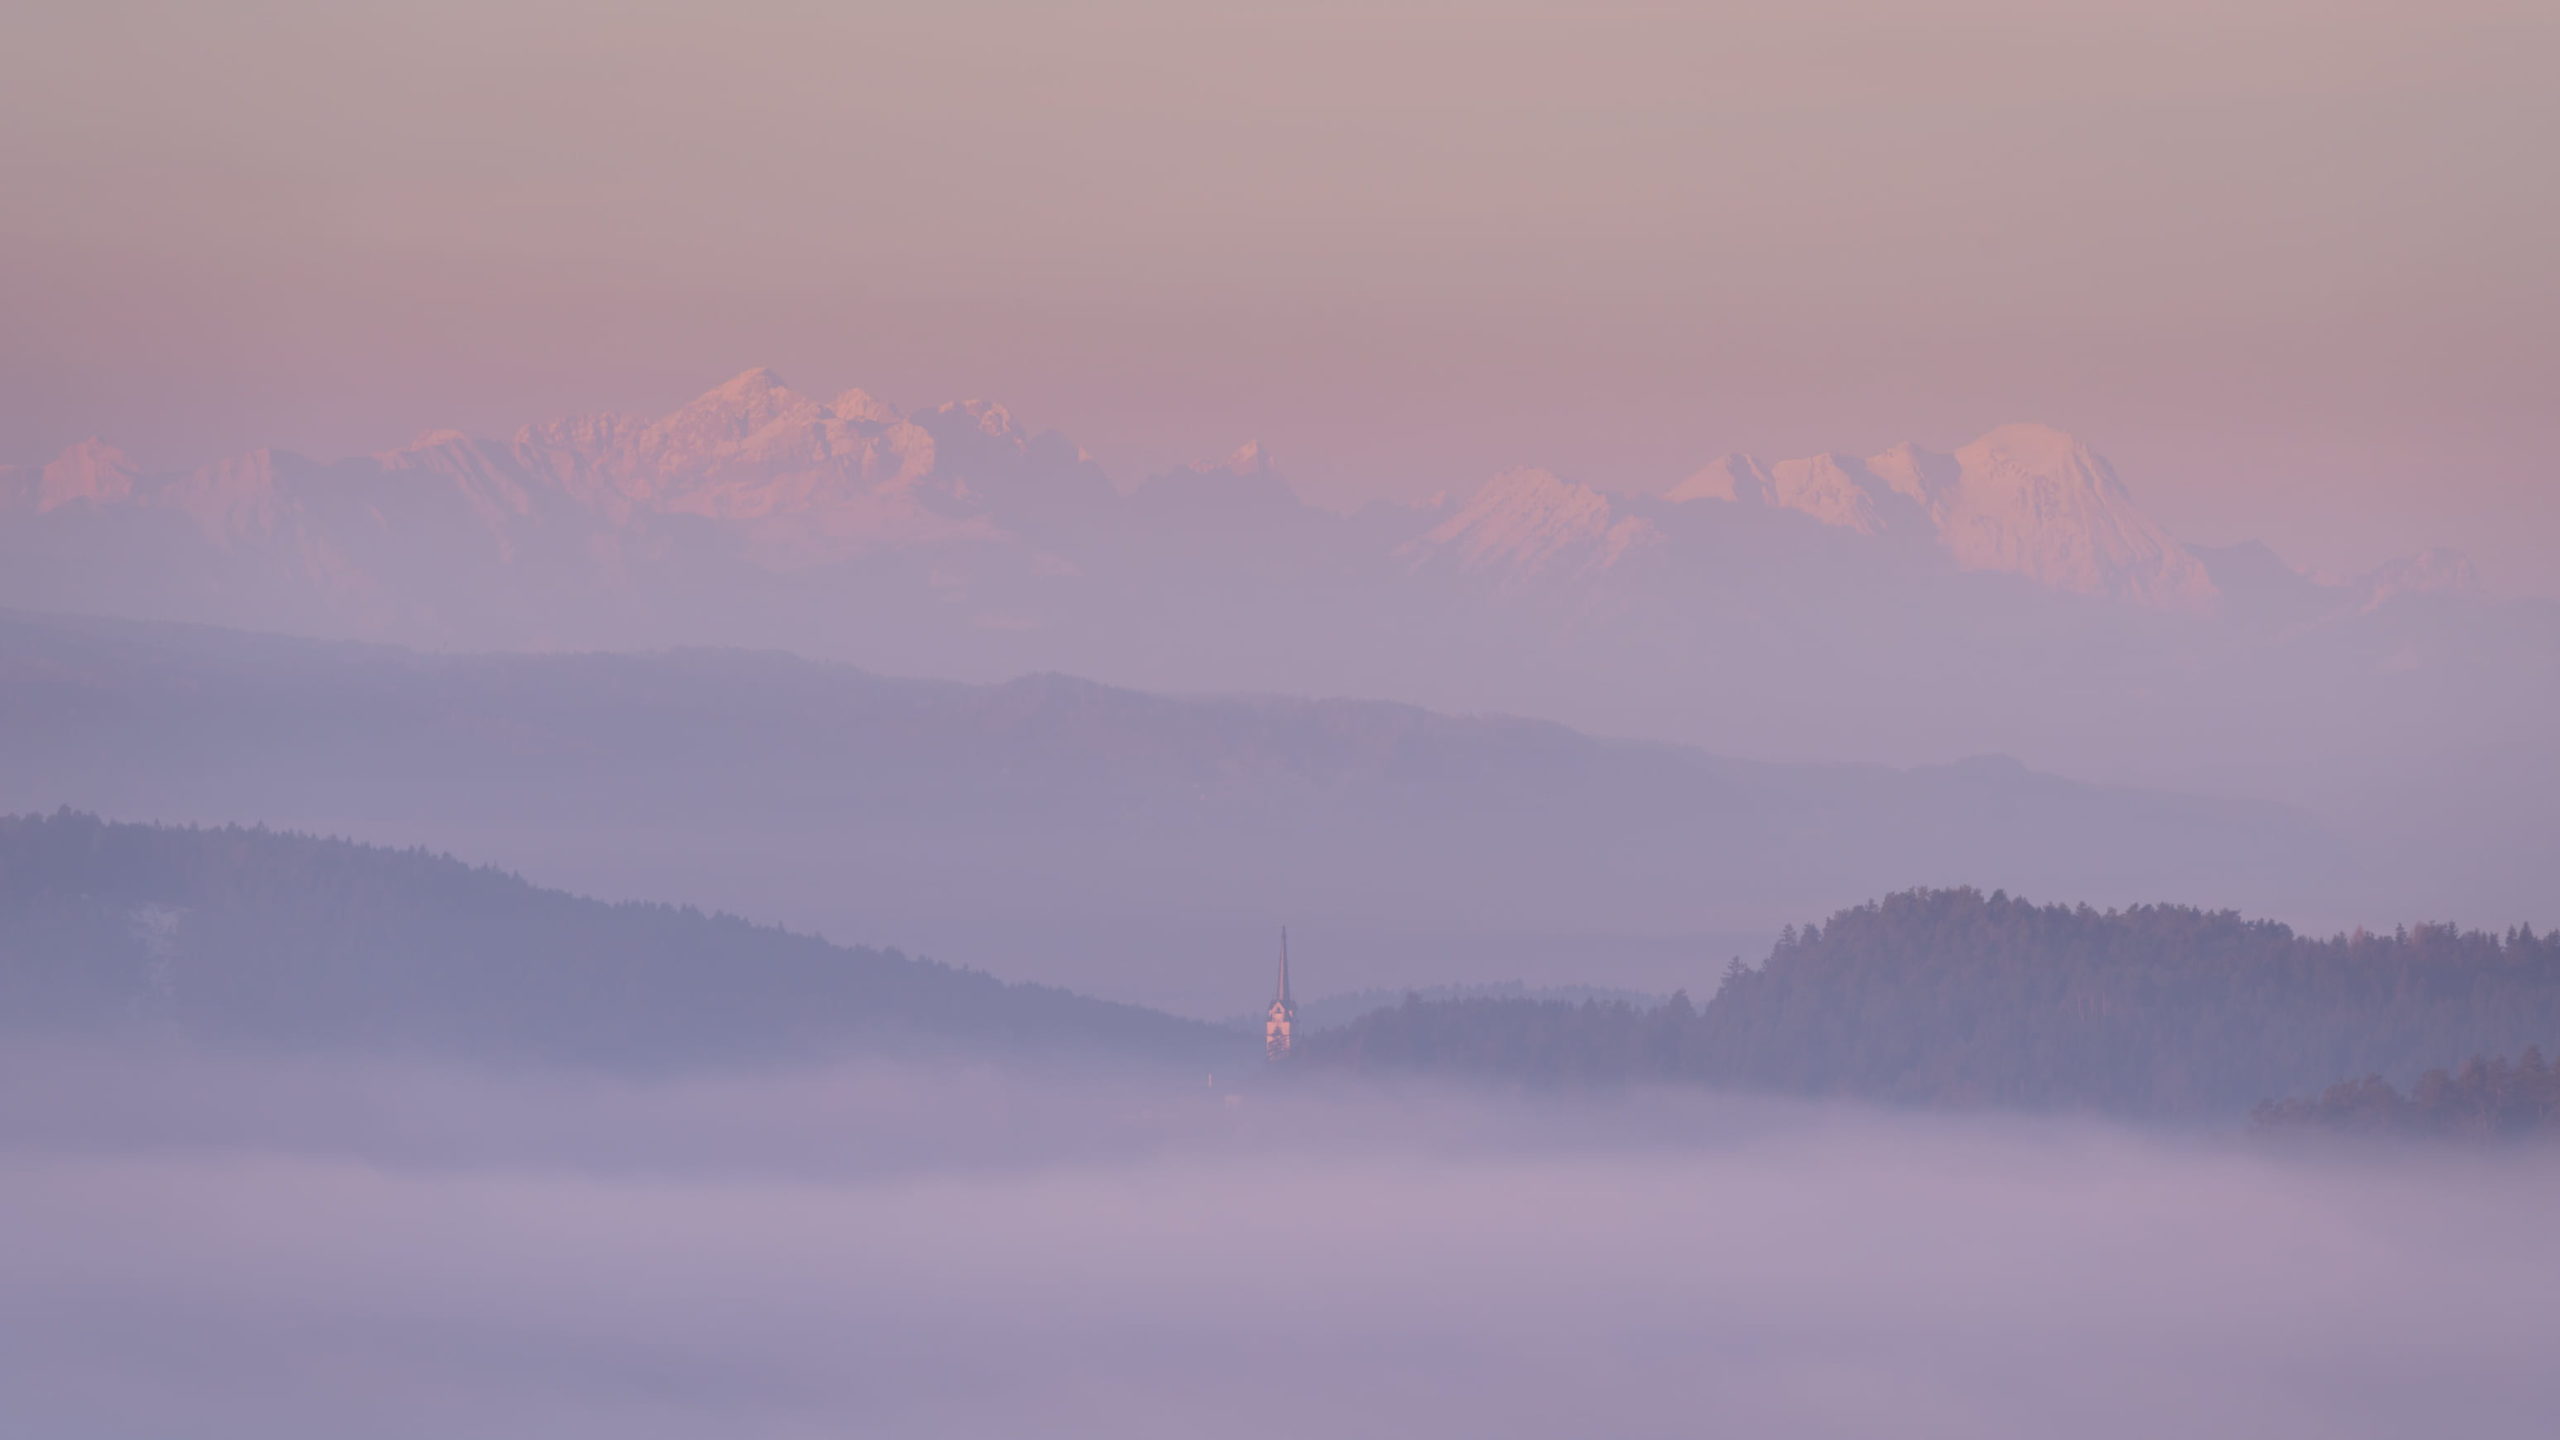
{"points": [[2024, 499], [1529, 522]]}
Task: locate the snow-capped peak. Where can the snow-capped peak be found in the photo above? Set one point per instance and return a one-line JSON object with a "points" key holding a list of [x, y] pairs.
{"points": [[1841, 491], [2026, 499], [1531, 522], [2034, 501], [92, 470], [749, 400], [1922, 476], [2034, 446], [860, 404], [1737, 477], [722, 418], [747, 388]]}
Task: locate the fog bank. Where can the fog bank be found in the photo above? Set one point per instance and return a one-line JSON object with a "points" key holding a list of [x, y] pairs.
{"points": [[301, 1251]]}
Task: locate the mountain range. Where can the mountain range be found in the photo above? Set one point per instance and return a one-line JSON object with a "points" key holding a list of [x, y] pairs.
{"points": [[789, 482], [1909, 608], [2022, 500]]}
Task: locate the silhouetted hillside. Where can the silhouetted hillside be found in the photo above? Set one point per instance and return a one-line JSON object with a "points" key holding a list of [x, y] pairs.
{"points": [[1954, 997], [1122, 843], [251, 937]]}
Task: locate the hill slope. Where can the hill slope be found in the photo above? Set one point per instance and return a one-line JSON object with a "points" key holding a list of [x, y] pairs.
{"points": [[1907, 607], [1137, 845], [1954, 997], [253, 938]]}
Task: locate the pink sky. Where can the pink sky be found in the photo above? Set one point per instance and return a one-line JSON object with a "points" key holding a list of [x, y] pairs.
{"points": [[2287, 263]]}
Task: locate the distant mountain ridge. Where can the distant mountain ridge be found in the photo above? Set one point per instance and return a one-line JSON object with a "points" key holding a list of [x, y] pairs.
{"points": [[1908, 607], [801, 482], [1139, 845], [2024, 500], [849, 474]]}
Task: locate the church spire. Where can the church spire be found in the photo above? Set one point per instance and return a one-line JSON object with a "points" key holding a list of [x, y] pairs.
{"points": [[1276, 1027]]}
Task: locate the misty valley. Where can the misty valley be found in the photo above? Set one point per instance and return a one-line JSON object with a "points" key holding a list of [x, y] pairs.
{"points": [[675, 1041], [303, 1109], [1538, 720], [672, 1041], [252, 942]]}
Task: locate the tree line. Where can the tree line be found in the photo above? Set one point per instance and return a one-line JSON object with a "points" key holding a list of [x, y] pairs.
{"points": [[2484, 1099], [1955, 997]]}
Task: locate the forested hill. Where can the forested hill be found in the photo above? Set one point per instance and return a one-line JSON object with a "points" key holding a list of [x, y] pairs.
{"points": [[243, 937], [2485, 1099], [1955, 997]]}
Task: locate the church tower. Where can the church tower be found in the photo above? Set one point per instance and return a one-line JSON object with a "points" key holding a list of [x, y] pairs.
{"points": [[1284, 1009]]}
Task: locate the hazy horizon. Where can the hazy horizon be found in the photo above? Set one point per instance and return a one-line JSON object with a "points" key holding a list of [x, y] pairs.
{"points": [[2295, 536], [667, 672], [2282, 261]]}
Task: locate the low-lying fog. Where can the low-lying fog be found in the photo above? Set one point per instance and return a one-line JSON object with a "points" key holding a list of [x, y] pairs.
{"points": [[280, 1251]]}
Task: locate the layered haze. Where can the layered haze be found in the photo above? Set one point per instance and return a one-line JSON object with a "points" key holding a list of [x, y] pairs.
{"points": [[1882, 672], [1136, 845], [2012, 597], [251, 1249], [2154, 396]]}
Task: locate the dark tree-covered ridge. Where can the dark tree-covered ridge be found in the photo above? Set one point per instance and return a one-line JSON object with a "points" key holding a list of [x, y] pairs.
{"points": [[2484, 1099], [1956, 997], [252, 937]]}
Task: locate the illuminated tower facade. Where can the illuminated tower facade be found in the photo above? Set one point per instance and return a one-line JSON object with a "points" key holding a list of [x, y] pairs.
{"points": [[1284, 1010]]}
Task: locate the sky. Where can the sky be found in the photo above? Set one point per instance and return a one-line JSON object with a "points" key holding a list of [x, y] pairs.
{"points": [[2285, 262]]}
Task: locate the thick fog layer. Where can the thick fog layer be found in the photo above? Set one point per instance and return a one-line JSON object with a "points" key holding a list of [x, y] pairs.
{"points": [[283, 1252]]}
